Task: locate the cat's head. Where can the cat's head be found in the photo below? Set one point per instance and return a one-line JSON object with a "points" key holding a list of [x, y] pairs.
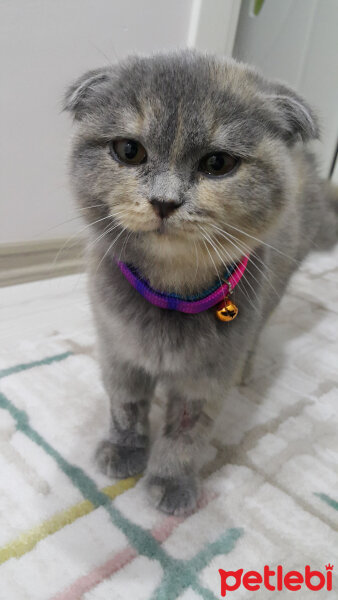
{"points": [[182, 150]]}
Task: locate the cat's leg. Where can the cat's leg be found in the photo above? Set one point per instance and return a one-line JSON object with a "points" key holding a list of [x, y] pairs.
{"points": [[172, 472], [125, 453]]}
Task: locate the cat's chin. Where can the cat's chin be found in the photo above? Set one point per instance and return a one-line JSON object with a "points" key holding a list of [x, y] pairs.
{"points": [[173, 236]]}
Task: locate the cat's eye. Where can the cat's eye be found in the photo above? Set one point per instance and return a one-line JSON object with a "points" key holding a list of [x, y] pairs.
{"points": [[129, 152], [217, 164]]}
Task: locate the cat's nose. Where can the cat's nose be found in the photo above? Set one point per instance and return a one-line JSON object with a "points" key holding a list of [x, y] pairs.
{"points": [[164, 208]]}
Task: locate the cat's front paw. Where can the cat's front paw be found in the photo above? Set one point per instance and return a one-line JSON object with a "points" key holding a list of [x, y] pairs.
{"points": [[119, 461], [174, 496]]}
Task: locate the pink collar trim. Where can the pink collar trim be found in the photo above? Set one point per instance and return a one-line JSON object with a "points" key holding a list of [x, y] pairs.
{"points": [[171, 302]]}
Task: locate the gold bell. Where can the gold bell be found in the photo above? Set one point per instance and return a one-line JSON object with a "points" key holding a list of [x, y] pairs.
{"points": [[227, 310]]}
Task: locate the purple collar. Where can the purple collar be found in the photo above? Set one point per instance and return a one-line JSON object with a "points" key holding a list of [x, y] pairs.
{"points": [[172, 302]]}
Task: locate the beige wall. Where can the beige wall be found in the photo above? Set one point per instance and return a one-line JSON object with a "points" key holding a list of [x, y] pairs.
{"points": [[297, 41], [45, 44]]}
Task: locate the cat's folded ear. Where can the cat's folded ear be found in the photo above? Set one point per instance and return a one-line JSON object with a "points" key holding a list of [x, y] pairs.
{"points": [[86, 92], [294, 116]]}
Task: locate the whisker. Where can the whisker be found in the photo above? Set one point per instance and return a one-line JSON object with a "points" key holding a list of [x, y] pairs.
{"points": [[247, 249], [108, 229], [197, 259], [92, 206], [124, 245], [213, 262], [260, 242], [252, 259], [243, 276], [242, 282], [109, 249], [75, 235], [120, 212], [42, 233]]}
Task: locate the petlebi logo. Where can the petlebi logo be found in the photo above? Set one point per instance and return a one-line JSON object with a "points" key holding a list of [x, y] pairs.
{"points": [[276, 580]]}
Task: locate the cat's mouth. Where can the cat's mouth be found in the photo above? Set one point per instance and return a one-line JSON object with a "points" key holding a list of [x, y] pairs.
{"points": [[170, 229], [167, 227], [162, 229]]}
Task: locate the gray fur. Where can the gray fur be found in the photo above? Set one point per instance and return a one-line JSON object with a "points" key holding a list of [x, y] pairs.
{"points": [[181, 107]]}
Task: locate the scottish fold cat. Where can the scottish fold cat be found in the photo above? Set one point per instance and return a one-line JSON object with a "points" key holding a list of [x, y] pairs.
{"points": [[184, 166]]}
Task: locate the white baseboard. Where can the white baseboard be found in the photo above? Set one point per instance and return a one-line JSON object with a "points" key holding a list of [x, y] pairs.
{"points": [[30, 261]]}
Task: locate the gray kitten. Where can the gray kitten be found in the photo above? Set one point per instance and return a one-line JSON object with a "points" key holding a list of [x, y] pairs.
{"points": [[182, 164]]}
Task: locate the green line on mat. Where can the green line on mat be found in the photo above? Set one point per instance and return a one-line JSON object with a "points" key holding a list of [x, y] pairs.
{"points": [[204, 592], [181, 572], [87, 486], [184, 574], [328, 500], [37, 363], [178, 574], [223, 545]]}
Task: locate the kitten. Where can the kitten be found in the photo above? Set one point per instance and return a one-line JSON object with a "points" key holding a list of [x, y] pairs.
{"points": [[183, 164]]}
